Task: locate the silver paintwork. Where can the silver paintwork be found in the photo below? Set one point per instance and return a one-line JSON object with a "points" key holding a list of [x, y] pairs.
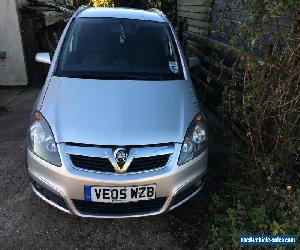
{"points": [[113, 114], [118, 112], [68, 181]]}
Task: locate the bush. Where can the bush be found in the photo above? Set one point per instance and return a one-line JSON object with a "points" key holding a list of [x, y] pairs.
{"points": [[102, 3], [257, 189], [265, 176], [167, 6]]}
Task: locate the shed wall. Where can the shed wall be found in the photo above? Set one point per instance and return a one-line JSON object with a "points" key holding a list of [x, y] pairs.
{"points": [[12, 66]]}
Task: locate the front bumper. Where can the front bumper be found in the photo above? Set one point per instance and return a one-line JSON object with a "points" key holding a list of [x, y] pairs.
{"points": [[63, 187]]}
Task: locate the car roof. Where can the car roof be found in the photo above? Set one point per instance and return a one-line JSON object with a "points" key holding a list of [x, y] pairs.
{"points": [[152, 15]]}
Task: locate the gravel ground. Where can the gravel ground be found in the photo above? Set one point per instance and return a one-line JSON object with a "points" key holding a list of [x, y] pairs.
{"points": [[28, 223]]}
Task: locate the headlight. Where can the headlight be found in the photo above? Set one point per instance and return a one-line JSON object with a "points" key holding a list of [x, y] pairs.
{"points": [[41, 140], [195, 141]]}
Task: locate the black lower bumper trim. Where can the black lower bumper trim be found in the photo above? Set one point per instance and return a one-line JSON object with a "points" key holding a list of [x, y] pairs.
{"points": [[182, 195], [119, 209], [49, 195]]}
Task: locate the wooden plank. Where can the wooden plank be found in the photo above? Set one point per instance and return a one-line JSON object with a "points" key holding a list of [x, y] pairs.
{"points": [[203, 89], [195, 16], [31, 47], [52, 17], [194, 9], [194, 2], [211, 43], [198, 52], [214, 63], [197, 46], [198, 30], [198, 23]]}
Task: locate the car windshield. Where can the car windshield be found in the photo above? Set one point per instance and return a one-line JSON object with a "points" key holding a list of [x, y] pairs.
{"points": [[110, 48]]}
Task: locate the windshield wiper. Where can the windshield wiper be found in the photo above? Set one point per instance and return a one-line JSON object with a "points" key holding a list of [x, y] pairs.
{"points": [[119, 76], [96, 76], [149, 77]]}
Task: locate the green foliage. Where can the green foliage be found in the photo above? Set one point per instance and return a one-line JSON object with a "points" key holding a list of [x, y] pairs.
{"points": [[102, 3], [245, 205], [79, 3], [167, 6], [268, 109], [261, 194]]}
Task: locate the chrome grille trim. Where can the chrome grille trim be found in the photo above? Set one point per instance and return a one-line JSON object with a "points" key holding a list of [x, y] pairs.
{"points": [[134, 152]]}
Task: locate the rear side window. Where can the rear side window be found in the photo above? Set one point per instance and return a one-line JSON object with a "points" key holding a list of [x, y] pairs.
{"points": [[110, 47]]}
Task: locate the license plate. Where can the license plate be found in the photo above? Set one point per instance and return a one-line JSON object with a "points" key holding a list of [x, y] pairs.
{"points": [[119, 194]]}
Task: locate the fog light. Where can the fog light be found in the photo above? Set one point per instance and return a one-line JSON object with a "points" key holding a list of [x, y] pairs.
{"points": [[198, 183]]}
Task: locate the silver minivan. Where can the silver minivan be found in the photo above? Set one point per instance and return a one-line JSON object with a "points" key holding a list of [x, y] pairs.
{"points": [[117, 130]]}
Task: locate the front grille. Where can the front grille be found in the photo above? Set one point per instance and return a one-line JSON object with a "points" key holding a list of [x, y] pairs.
{"points": [[49, 195], [148, 163], [104, 165], [119, 209], [92, 163]]}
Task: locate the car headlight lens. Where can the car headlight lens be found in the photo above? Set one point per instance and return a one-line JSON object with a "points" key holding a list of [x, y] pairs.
{"points": [[195, 141], [41, 140]]}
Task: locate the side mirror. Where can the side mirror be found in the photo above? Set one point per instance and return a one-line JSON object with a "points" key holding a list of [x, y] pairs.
{"points": [[193, 62], [43, 58]]}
